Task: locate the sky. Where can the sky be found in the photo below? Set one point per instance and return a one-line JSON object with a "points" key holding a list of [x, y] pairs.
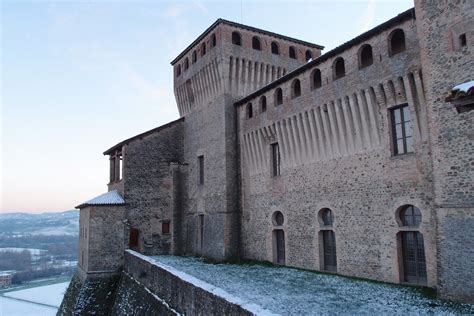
{"points": [[77, 77]]}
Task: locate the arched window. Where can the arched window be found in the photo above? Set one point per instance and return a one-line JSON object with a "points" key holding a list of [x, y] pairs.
{"points": [[186, 64], [278, 96], [256, 43], [278, 218], [410, 216], [203, 49], [326, 216], [292, 52], [194, 58], [236, 38], [278, 238], [263, 103], [249, 110], [339, 68], [365, 56], [308, 55], [396, 42], [412, 256], [295, 88], [275, 49], [327, 237], [213, 40], [316, 81], [178, 71]]}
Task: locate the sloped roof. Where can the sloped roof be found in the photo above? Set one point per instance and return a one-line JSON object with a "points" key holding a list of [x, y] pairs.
{"points": [[107, 199], [246, 27], [128, 140], [462, 90]]}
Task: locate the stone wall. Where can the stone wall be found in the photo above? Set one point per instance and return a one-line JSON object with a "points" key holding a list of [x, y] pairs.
{"points": [[446, 64], [101, 239], [336, 151], [205, 93], [182, 293], [152, 170]]}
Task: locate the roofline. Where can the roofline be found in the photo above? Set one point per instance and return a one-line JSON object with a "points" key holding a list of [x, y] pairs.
{"points": [[242, 26], [156, 129], [410, 13], [83, 205]]}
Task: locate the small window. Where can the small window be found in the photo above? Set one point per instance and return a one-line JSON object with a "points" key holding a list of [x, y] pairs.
{"points": [[186, 64], [194, 57], [316, 82], [292, 52], [165, 227], [133, 238], [276, 160], [308, 55], [213, 40], [339, 68], [263, 104], [201, 169], [278, 96], [462, 40], [326, 216], [410, 216], [249, 110], [365, 56], [396, 42], [178, 71], [295, 88], [203, 49], [402, 130], [256, 43], [278, 218], [275, 49], [236, 38]]}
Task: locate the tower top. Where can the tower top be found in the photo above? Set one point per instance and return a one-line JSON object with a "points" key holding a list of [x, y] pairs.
{"points": [[244, 27]]}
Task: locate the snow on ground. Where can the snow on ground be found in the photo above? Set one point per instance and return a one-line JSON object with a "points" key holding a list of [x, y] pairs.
{"points": [[12, 307], [49, 294], [291, 291]]}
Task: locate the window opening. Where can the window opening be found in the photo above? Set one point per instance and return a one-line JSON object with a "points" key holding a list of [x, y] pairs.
{"points": [[276, 160], [402, 130]]}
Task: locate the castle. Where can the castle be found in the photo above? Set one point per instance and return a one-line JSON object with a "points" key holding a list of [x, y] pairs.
{"points": [[358, 161]]}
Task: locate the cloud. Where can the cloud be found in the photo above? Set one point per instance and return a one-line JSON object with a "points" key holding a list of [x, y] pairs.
{"points": [[177, 10], [367, 17]]}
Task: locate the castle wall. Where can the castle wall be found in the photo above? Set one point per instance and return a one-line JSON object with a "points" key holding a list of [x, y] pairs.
{"points": [[205, 93], [336, 153], [152, 170], [446, 64], [100, 251]]}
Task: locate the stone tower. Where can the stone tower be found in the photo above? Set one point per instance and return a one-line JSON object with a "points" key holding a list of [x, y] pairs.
{"points": [[446, 30], [227, 62]]}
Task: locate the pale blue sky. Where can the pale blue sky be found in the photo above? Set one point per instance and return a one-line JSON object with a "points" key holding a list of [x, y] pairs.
{"points": [[78, 77]]}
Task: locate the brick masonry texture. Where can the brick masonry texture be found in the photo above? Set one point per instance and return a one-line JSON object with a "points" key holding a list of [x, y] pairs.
{"points": [[337, 152]]}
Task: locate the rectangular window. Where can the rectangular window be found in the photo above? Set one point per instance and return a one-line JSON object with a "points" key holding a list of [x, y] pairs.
{"points": [[402, 130], [275, 151], [165, 227], [201, 169], [462, 40]]}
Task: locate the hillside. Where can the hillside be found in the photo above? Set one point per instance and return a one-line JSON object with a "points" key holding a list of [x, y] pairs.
{"points": [[47, 224]]}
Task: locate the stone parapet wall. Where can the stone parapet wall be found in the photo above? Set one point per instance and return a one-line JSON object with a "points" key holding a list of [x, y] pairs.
{"points": [[182, 292]]}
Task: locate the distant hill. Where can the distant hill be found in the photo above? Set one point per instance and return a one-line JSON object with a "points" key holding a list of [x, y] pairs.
{"points": [[47, 224]]}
